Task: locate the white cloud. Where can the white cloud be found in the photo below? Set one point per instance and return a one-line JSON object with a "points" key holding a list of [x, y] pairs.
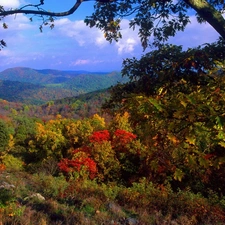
{"points": [[10, 3], [100, 40], [129, 41], [126, 46], [80, 62], [84, 36], [77, 30]]}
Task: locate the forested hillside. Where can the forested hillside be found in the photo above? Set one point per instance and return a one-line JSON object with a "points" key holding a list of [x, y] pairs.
{"points": [[83, 105], [28, 93]]}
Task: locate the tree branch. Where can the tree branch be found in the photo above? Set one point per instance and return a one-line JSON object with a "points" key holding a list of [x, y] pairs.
{"points": [[209, 14], [41, 12]]}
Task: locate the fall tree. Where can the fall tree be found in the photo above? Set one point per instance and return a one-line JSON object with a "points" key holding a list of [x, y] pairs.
{"points": [[160, 19], [175, 102]]}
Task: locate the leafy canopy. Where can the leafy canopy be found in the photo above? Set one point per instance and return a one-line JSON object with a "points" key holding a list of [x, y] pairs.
{"points": [[175, 100], [160, 19]]}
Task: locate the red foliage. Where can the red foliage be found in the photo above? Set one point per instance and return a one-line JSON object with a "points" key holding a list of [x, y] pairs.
{"points": [[72, 165], [65, 165], [81, 158], [100, 136], [120, 136], [123, 137]]}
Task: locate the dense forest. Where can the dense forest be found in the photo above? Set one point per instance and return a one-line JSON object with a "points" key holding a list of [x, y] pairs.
{"points": [[146, 151]]}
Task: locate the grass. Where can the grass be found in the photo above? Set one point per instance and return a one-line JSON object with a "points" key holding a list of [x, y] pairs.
{"points": [[87, 202]]}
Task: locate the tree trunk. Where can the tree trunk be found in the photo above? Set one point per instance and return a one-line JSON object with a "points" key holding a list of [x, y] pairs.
{"points": [[209, 14]]}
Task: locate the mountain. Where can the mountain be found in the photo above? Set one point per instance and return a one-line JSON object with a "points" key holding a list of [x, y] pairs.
{"points": [[81, 106], [14, 91], [48, 76], [92, 82], [31, 86], [84, 105]]}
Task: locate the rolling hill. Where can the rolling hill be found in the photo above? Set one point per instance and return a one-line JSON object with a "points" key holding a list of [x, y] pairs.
{"points": [[30, 86]]}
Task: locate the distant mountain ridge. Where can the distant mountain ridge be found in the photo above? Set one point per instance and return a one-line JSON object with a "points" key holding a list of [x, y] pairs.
{"points": [[31, 86], [71, 72], [45, 76]]}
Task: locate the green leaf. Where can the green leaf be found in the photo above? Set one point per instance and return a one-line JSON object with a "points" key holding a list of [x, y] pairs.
{"points": [[191, 160], [221, 135], [191, 140], [219, 122], [222, 144], [178, 175], [156, 104]]}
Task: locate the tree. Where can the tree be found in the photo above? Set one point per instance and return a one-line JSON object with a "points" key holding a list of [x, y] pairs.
{"points": [[160, 19], [162, 68], [4, 136], [175, 100]]}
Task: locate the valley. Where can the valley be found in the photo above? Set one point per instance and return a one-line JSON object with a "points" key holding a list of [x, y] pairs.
{"points": [[37, 87]]}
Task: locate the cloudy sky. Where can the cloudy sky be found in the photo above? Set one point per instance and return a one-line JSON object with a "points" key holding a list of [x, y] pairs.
{"points": [[71, 45]]}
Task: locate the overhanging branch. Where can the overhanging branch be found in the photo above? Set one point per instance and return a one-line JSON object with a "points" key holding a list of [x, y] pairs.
{"points": [[42, 12]]}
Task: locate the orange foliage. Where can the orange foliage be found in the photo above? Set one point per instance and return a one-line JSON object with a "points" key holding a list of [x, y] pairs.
{"points": [[2, 167]]}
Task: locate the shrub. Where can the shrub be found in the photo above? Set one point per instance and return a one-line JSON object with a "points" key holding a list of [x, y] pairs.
{"points": [[48, 185], [100, 136], [12, 163], [80, 163]]}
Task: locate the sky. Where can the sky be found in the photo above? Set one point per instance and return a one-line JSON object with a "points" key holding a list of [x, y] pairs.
{"points": [[71, 45]]}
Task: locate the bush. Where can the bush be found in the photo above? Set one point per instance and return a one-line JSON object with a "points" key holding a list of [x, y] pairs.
{"points": [[49, 186], [12, 163]]}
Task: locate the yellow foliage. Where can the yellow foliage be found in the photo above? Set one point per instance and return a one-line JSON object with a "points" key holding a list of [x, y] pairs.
{"points": [[79, 131], [104, 155], [121, 121], [98, 122], [49, 137], [11, 142], [173, 139], [191, 140]]}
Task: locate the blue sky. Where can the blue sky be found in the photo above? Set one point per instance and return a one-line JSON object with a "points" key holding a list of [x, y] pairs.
{"points": [[71, 45]]}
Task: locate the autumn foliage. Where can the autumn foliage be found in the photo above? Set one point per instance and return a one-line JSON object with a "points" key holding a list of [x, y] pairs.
{"points": [[166, 125], [76, 165], [100, 136], [100, 157], [2, 167], [162, 146]]}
